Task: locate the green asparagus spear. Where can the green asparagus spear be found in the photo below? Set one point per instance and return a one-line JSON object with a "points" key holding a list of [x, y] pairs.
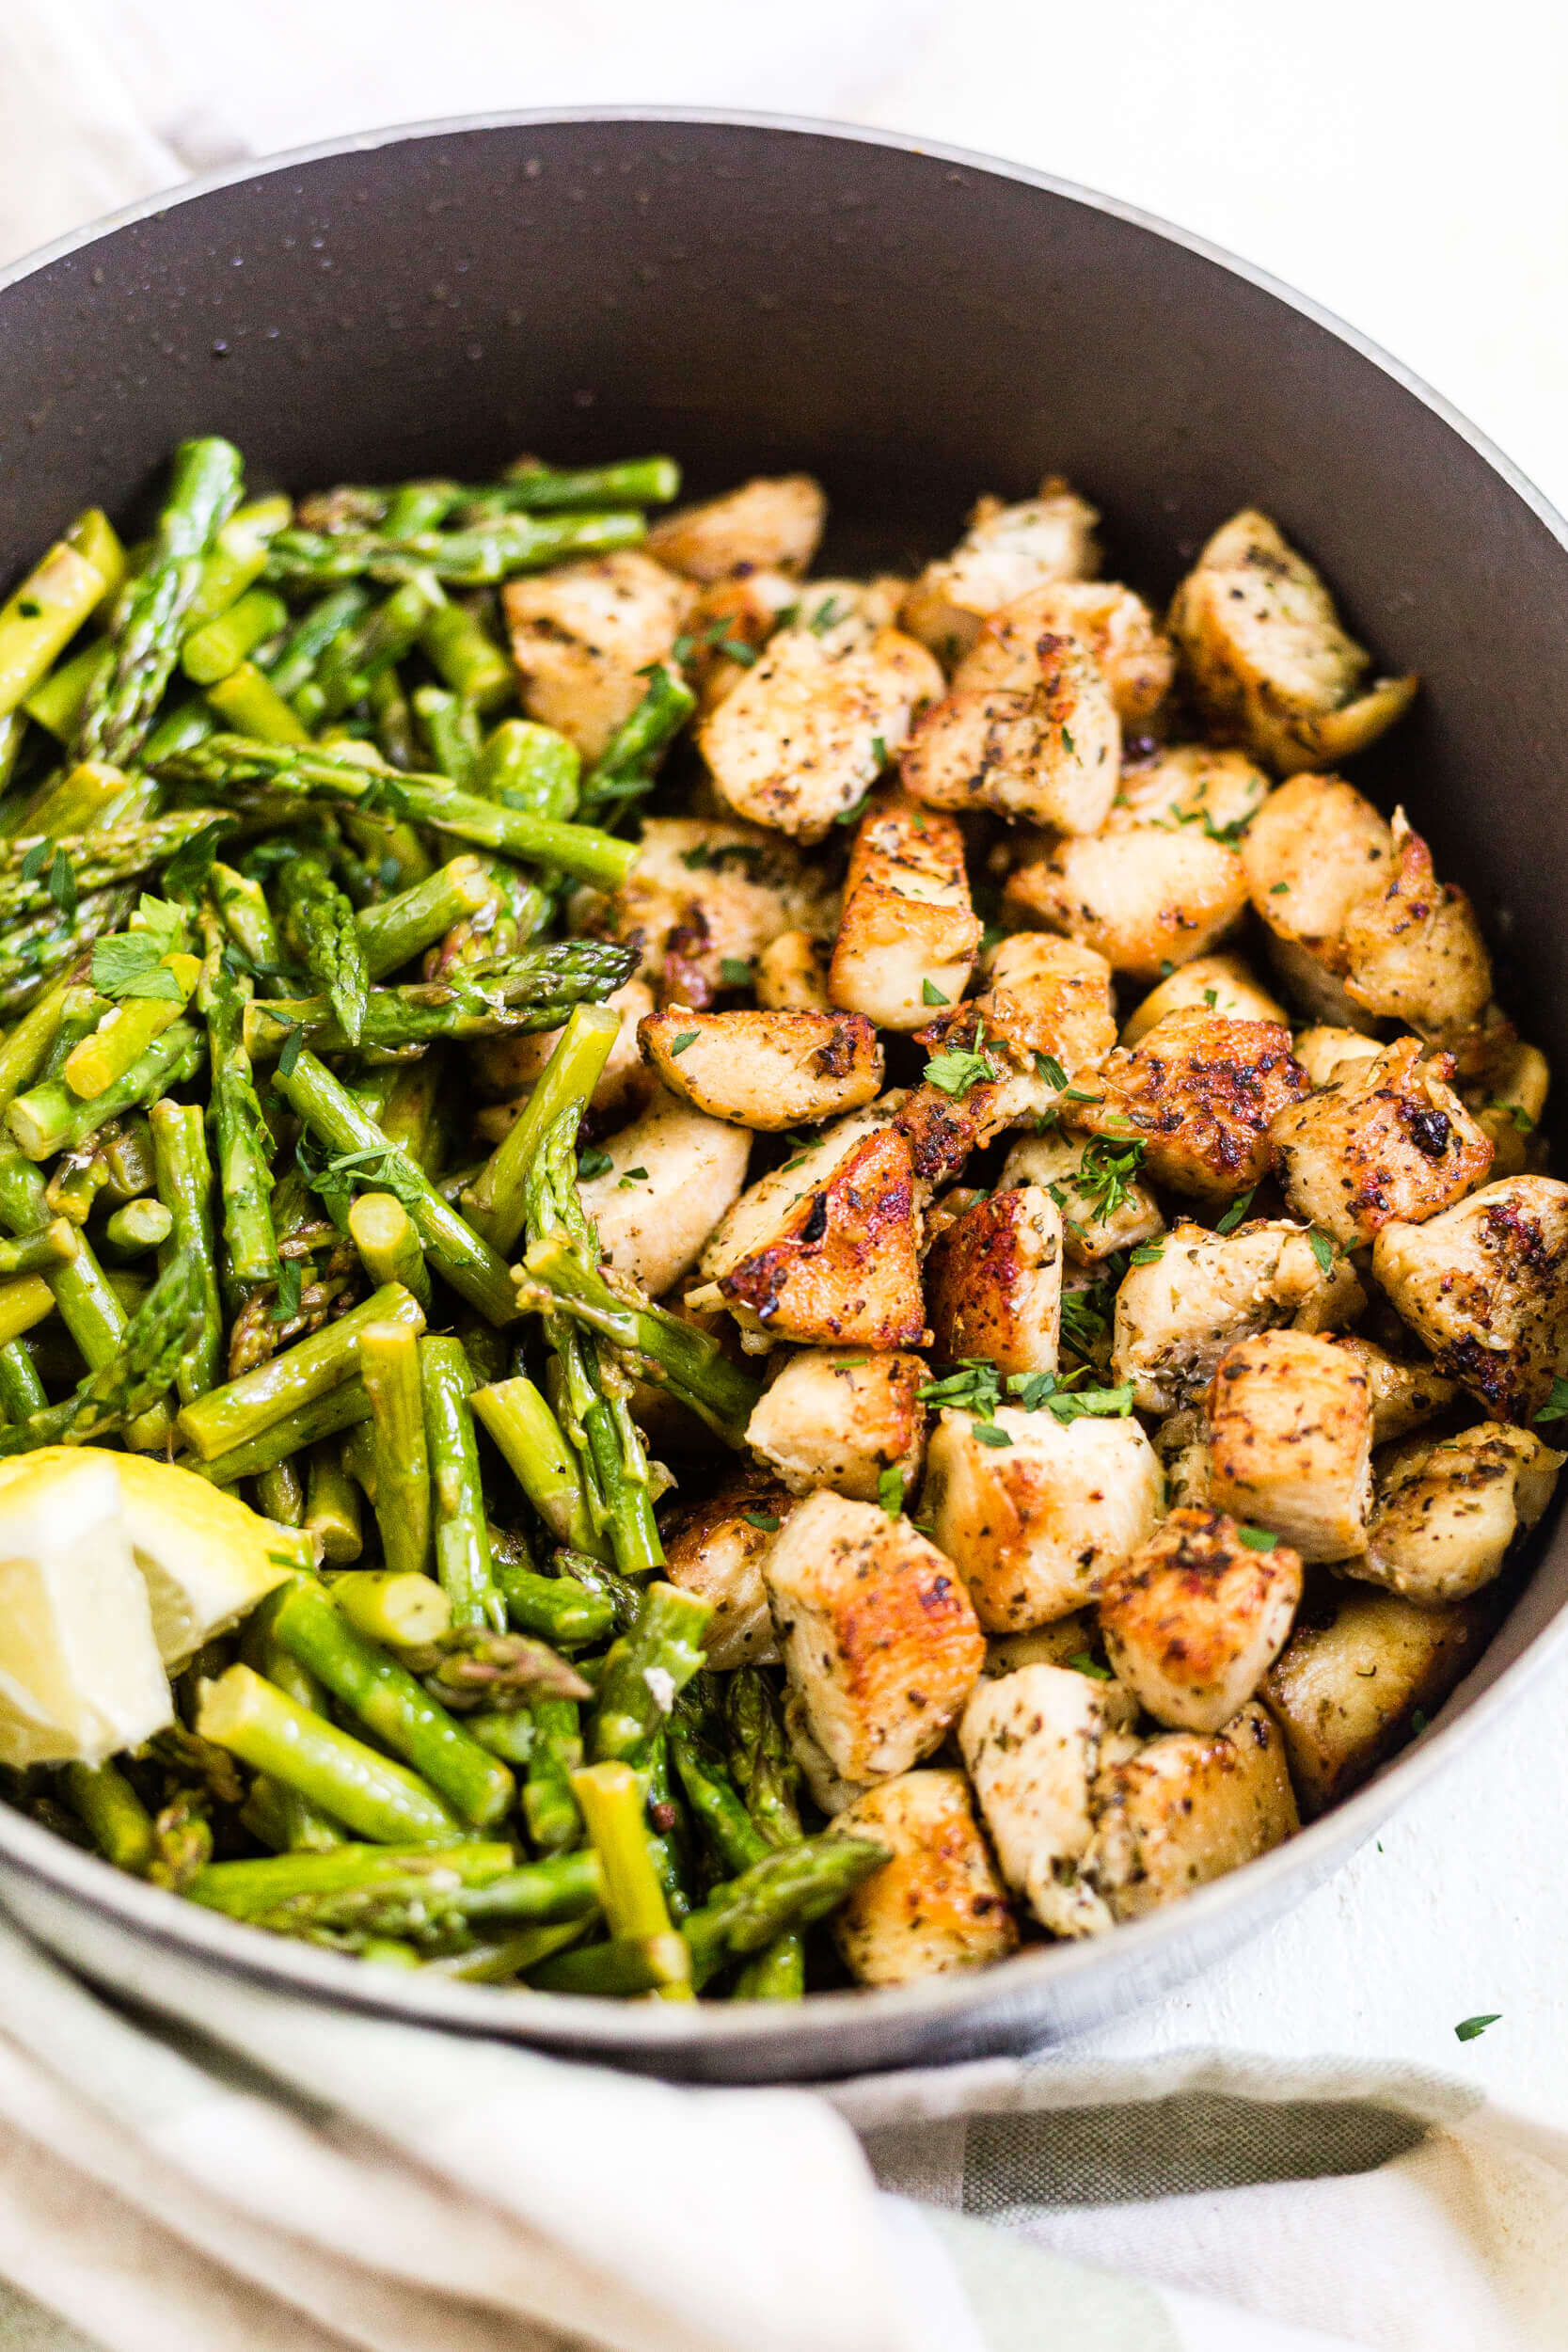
{"points": [[332, 1505], [761, 1759], [389, 1367], [398, 929], [155, 1339], [247, 916], [185, 1190], [727, 1827], [529, 766], [646, 1669], [497, 1201], [230, 1416], [630, 760], [778, 1973], [247, 701], [56, 700], [451, 728], [463, 558], [23, 1053], [38, 619], [610, 1797], [686, 1360], [463, 1559], [559, 1609], [788, 1889], [344, 1409], [313, 633], [119, 852], [529, 1436], [114, 1816], [530, 487], [322, 932], [40, 1253], [466, 656], [549, 1808], [212, 652], [280, 1496], [536, 990], [368, 1792], [398, 1609], [358, 653], [244, 1890], [50, 1118], [383, 1233], [24, 1301]]}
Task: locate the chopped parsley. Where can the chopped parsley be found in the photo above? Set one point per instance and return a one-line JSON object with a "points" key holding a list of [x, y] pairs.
{"points": [[687, 1037], [1148, 1253], [1234, 1214], [188, 868], [1106, 1174], [36, 859], [989, 1434], [823, 618], [1418, 1721], [291, 1277], [932, 994], [1258, 1538], [1050, 1070], [890, 1491], [1083, 1663], [760, 1521], [1068, 745], [1468, 2027], [856, 810], [735, 971], [1277, 890], [1323, 1248], [291, 1049], [132, 963], [592, 1162], [1557, 1404], [960, 1067], [878, 751], [1211, 997], [63, 884], [632, 1176]]}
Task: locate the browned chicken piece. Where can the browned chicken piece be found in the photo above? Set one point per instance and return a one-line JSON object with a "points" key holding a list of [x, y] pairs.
{"points": [[1405, 1396], [767, 1071], [1105, 1208], [807, 731], [1218, 793], [1189, 1807], [841, 1266], [1312, 853], [773, 524], [878, 1636], [831, 1793], [1359, 1666], [908, 935], [1053, 998], [1269, 665], [1201, 1093], [1058, 1644], [1485, 1286], [716, 1551], [1178, 1312], [672, 1176], [1222, 983], [740, 615], [1195, 1618], [1321, 1051], [1113, 627], [510, 1066], [1290, 1441], [1035, 1524], [792, 972], [1037, 1742], [1509, 1107], [1005, 552], [1413, 952], [1145, 898], [1385, 1140], [939, 1904], [1446, 1514], [993, 1282], [1050, 749], [844, 1421], [703, 894], [584, 633]]}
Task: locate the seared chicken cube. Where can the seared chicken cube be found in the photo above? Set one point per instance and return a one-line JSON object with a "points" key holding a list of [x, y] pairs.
{"points": [[1065, 1642], [792, 972], [1384, 1139], [993, 1282], [1201, 1093], [1050, 749], [1445, 1518], [764, 1207], [831, 1793], [878, 1636], [1485, 1287], [728, 627], [1104, 1204], [844, 1421], [716, 1553], [1321, 1051], [672, 1176], [908, 934], [806, 732], [1188, 1808], [1113, 627], [1268, 662], [1221, 984], [583, 633], [938, 1905], [1218, 793], [1413, 952], [705, 894], [1312, 853], [1359, 1665], [1005, 552], [838, 1265], [1509, 1107], [1290, 1441], [1145, 898], [1052, 997], [1034, 1525], [1405, 1396], [1036, 1742], [1195, 1618], [770, 523], [767, 1071], [1178, 1313], [511, 1066]]}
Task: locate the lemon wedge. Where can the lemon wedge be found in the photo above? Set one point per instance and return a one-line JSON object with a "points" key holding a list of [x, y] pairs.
{"points": [[80, 1673], [207, 1558]]}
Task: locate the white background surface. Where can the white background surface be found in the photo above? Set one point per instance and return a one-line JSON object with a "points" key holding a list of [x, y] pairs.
{"points": [[1405, 164]]}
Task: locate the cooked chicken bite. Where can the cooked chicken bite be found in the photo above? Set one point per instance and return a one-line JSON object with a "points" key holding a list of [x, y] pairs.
{"points": [[1509, 1107], [703, 894], [1405, 1396], [1220, 984], [728, 627], [792, 972], [1218, 793], [1413, 949], [1189, 1807], [510, 1066], [770, 523], [1178, 1313], [831, 1793], [1113, 627], [1312, 853], [1050, 749], [671, 1177], [581, 633], [938, 1904], [1053, 998], [1036, 1742], [1195, 1618], [1005, 552], [908, 934], [844, 1421], [1268, 662], [993, 1282], [1321, 1051], [716, 1551], [1065, 1642], [1201, 1092], [1385, 1139], [878, 1636], [1446, 1516], [768, 1070], [1485, 1287], [1358, 1666], [1290, 1441], [1145, 898], [1104, 1205], [806, 732], [1182, 1443], [1037, 1523]]}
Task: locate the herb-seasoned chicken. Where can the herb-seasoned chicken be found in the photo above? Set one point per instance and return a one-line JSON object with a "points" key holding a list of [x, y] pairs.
{"points": [[1049, 749], [908, 934], [716, 1553], [773, 524], [1005, 552], [1312, 853], [1485, 1287], [673, 1175], [1222, 984], [766, 1071], [1201, 1093], [1115, 628], [1036, 1742], [1290, 1441], [993, 1282], [584, 633], [1447, 1516], [504, 1065], [703, 896], [792, 972], [1384, 1139], [1194, 1619], [1178, 1312], [878, 1635], [1189, 1807], [939, 1903], [1321, 1051], [1106, 1205], [1145, 898], [1413, 952], [1216, 793], [1405, 1396], [845, 1422]]}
